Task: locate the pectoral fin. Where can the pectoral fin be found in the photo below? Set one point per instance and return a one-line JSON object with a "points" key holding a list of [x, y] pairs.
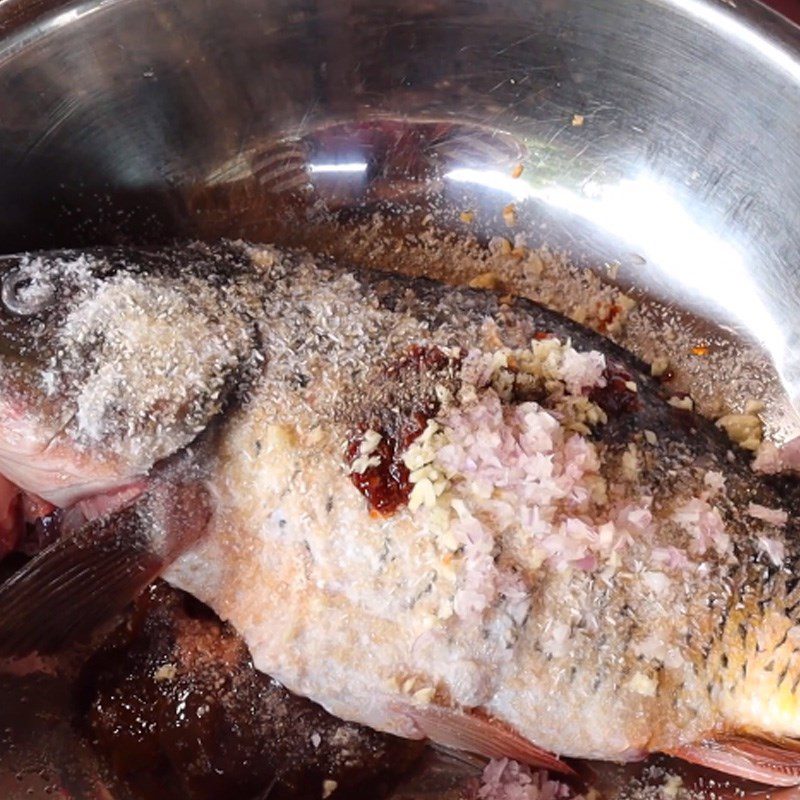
{"points": [[771, 761], [477, 733], [84, 580]]}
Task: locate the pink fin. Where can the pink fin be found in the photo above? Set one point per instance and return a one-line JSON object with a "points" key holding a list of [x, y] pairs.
{"points": [[774, 762], [475, 733]]}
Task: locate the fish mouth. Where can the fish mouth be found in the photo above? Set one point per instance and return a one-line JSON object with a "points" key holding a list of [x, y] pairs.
{"points": [[52, 486], [46, 463], [28, 523], [55, 493], [48, 486], [61, 479], [61, 473]]}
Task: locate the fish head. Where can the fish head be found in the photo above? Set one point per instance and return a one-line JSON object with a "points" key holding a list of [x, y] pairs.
{"points": [[110, 361]]}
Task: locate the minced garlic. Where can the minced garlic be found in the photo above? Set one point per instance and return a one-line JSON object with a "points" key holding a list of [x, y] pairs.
{"points": [[642, 684], [361, 464], [510, 215], [671, 786], [369, 443], [423, 494], [166, 672], [754, 406], [486, 280], [630, 464], [746, 430], [365, 459], [425, 695], [659, 366], [280, 437], [685, 403]]}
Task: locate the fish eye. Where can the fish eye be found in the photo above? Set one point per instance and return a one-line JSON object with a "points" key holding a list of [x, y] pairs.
{"points": [[25, 294]]}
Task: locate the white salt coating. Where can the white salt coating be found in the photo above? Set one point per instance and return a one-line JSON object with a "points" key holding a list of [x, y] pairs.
{"points": [[154, 350], [141, 361], [671, 557], [45, 271], [775, 549]]}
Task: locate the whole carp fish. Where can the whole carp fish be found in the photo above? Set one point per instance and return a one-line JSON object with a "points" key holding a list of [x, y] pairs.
{"points": [[439, 512]]}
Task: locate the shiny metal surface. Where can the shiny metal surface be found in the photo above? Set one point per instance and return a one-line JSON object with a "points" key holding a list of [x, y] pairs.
{"points": [[657, 135], [143, 118]]}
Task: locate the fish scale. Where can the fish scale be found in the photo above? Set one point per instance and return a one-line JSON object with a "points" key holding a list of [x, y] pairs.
{"points": [[678, 455]]}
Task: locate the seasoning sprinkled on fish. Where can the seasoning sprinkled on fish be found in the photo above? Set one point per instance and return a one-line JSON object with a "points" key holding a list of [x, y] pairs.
{"points": [[442, 512], [103, 372]]}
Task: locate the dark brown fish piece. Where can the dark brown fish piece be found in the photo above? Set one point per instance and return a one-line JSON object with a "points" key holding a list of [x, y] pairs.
{"points": [[173, 702]]}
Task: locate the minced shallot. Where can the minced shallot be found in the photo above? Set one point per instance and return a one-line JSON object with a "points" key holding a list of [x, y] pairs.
{"points": [[508, 468], [714, 480], [581, 371], [504, 779], [772, 515], [705, 526], [492, 473], [771, 459]]}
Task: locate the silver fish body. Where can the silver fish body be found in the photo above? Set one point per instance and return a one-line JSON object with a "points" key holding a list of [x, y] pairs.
{"points": [[445, 513], [665, 642]]}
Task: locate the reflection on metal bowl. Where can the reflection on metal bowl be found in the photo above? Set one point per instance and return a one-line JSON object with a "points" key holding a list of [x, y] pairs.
{"points": [[654, 141]]}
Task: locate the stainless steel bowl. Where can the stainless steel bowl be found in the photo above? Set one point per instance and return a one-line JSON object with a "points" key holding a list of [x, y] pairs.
{"points": [[659, 138]]}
